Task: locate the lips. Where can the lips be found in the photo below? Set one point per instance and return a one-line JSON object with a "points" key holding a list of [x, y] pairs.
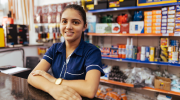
{"points": [[69, 33]]}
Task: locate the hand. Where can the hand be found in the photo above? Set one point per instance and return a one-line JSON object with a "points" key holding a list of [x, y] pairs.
{"points": [[61, 92], [44, 74]]}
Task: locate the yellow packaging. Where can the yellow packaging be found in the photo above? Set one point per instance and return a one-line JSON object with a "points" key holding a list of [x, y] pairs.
{"points": [[147, 13], [148, 17], [147, 24], [156, 25], [148, 28], [156, 12], [152, 52], [157, 16], [164, 42], [90, 6], [156, 20], [157, 32], [148, 21], [156, 28], [2, 38]]}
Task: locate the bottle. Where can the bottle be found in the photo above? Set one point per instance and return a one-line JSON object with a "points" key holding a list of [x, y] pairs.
{"points": [[131, 49], [123, 51], [127, 49]]}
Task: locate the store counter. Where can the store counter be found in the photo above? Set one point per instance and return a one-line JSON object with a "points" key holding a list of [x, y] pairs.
{"points": [[16, 88]]}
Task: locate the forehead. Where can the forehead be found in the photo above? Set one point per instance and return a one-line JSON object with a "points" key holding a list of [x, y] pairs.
{"points": [[71, 14]]}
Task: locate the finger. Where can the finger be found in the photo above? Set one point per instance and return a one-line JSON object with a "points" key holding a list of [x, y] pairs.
{"points": [[71, 95], [36, 72], [61, 98], [74, 92], [66, 96]]}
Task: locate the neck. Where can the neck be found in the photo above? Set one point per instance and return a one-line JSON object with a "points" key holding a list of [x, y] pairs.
{"points": [[72, 45]]}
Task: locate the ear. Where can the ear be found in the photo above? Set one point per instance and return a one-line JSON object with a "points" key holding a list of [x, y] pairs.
{"points": [[84, 28]]}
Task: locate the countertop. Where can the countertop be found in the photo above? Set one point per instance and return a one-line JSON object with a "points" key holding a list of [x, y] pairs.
{"points": [[16, 88]]}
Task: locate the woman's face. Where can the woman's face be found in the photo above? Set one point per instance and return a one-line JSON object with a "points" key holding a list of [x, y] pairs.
{"points": [[72, 25]]}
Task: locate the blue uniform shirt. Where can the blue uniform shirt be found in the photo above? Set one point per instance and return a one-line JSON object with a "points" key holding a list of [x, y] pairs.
{"points": [[84, 58]]}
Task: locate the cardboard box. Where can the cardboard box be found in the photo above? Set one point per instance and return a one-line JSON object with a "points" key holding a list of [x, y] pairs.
{"points": [[162, 83], [156, 28], [148, 31], [148, 17], [164, 24], [164, 20], [148, 20], [136, 27], [154, 2], [91, 20], [164, 17], [148, 13], [115, 28], [156, 12], [147, 28], [124, 28], [156, 25], [148, 24], [156, 20], [103, 28], [157, 16], [156, 32]]}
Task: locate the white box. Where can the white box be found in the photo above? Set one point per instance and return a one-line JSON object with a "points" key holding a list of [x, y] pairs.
{"points": [[136, 27], [91, 20], [103, 28], [115, 28]]}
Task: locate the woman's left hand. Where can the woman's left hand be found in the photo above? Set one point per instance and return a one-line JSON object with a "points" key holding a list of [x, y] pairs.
{"points": [[44, 74]]}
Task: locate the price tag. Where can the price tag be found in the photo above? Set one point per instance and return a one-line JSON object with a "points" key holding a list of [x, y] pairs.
{"points": [[165, 34], [120, 59]]}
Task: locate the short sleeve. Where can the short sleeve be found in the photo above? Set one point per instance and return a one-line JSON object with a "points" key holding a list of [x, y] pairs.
{"points": [[93, 61], [48, 56]]}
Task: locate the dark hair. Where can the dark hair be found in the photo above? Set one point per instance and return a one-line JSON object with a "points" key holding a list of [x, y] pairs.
{"points": [[81, 11]]}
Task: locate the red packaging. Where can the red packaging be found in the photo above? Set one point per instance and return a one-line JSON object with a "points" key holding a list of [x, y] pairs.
{"points": [[119, 51], [45, 9], [124, 28], [38, 14], [53, 9], [60, 8], [45, 18]]}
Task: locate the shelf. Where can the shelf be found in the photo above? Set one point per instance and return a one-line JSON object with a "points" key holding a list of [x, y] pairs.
{"points": [[132, 7], [143, 62], [118, 34], [145, 88]]}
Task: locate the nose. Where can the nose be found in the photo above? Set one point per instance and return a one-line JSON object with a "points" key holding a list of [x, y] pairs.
{"points": [[69, 25]]}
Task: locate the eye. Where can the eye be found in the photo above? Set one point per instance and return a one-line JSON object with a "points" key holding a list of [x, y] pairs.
{"points": [[64, 21], [75, 22]]}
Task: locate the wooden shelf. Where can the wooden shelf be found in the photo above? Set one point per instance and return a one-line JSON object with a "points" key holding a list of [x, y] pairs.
{"points": [[145, 88], [118, 34]]}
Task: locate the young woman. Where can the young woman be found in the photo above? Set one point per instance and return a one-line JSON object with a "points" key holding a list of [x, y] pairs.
{"points": [[76, 65]]}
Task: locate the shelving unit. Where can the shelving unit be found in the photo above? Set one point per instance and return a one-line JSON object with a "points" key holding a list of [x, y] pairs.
{"points": [[143, 62], [145, 88], [152, 35], [119, 34], [131, 8]]}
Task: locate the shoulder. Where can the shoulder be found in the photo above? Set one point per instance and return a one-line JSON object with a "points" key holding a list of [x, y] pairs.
{"points": [[55, 47], [90, 48]]}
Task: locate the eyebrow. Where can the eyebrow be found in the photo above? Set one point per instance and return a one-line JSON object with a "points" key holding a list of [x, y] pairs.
{"points": [[73, 19]]}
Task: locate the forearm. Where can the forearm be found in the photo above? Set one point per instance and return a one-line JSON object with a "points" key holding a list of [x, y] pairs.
{"points": [[83, 87], [40, 82]]}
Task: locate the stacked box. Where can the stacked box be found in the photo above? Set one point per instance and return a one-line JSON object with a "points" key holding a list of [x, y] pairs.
{"points": [[148, 18], [177, 20], [156, 27], [164, 20], [171, 19]]}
